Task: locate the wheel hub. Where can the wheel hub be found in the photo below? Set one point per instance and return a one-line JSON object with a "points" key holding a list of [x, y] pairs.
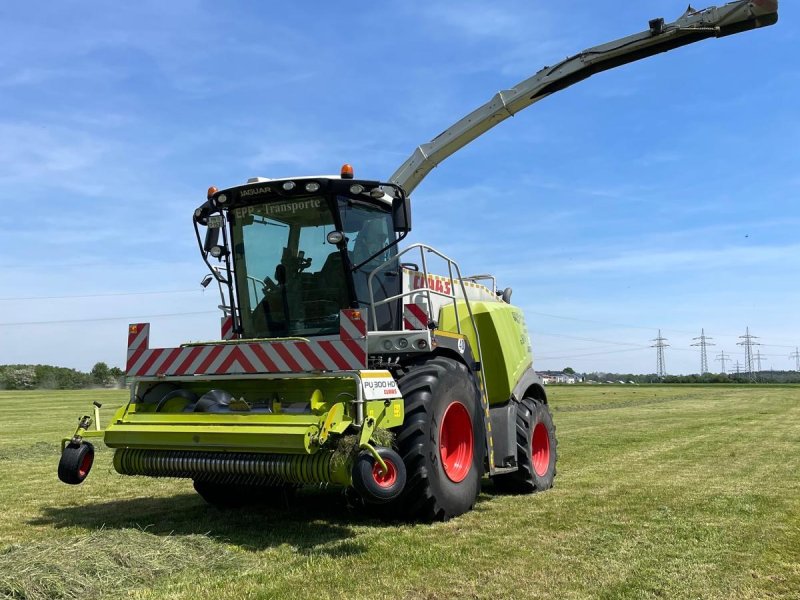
{"points": [[456, 442], [86, 465], [540, 449], [385, 479]]}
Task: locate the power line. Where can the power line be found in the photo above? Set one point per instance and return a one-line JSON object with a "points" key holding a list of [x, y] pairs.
{"points": [[585, 339], [629, 326], [583, 349], [607, 323], [97, 320], [192, 291], [103, 295], [660, 344], [587, 354], [703, 343]]}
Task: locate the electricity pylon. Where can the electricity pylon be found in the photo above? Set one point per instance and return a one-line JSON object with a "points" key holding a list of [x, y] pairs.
{"points": [[660, 344], [703, 343], [722, 358], [748, 343]]}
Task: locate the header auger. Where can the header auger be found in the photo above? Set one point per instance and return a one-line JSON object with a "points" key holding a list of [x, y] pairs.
{"points": [[345, 360]]}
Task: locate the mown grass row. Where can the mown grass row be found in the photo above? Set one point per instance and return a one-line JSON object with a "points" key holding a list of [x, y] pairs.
{"points": [[662, 492]]}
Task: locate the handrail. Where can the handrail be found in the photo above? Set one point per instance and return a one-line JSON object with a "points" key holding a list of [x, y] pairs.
{"points": [[426, 289], [477, 278]]}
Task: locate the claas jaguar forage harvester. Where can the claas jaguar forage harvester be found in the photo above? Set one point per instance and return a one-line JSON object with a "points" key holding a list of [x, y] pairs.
{"points": [[345, 360]]}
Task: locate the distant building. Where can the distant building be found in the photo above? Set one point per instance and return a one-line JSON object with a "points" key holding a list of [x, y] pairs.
{"points": [[549, 377]]}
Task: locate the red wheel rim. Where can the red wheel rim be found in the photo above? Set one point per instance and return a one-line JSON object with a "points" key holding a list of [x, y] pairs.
{"points": [[456, 442], [387, 479], [540, 449], [86, 465]]}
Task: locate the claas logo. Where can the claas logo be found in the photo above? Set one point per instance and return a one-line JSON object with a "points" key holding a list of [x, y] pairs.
{"points": [[436, 284]]}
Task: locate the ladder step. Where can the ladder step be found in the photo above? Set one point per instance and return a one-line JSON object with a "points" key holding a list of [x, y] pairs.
{"points": [[502, 470]]}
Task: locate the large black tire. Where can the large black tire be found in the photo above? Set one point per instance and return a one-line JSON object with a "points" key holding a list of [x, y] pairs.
{"points": [[536, 451], [75, 463], [233, 496], [439, 395]]}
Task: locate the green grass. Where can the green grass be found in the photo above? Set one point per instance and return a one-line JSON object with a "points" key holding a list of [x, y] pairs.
{"points": [[662, 492]]}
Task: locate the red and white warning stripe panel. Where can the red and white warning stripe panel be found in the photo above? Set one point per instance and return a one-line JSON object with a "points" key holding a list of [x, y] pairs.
{"points": [[227, 329], [292, 356], [264, 357], [352, 324], [138, 337], [415, 317]]}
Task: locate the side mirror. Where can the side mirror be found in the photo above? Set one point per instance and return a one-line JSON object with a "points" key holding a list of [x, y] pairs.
{"points": [[401, 214], [212, 238]]}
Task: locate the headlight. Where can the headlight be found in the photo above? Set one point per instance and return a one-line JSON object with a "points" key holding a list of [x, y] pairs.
{"points": [[335, 237]]}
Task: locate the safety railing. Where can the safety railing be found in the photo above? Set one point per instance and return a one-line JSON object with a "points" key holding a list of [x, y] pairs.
{"points": [[429, 293], [484, 277]]}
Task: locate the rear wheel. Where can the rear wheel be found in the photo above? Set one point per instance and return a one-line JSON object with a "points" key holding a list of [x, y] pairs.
{"points": [[441, 440], [536, 450]]}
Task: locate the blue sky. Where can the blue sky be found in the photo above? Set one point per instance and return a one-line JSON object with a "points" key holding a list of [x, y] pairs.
{"points": [[659, 195]]}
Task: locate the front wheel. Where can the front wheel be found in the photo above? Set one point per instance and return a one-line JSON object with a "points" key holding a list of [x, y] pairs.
{"points": [[536, 450], [373, 483], [441, 440], [75, 463]]}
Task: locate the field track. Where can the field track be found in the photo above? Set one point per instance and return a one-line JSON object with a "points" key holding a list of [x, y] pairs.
{"points": [[662, 492]]}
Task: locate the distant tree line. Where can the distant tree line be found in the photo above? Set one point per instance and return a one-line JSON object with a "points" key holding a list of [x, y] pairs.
{"points": [[760, 377], [48, 377]]}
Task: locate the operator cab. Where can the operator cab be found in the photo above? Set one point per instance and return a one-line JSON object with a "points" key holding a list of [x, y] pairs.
{"points": [[302, 249]]}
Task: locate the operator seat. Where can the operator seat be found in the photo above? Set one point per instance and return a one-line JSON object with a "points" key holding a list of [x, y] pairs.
{"points": [[372, 237], [331, 283]]}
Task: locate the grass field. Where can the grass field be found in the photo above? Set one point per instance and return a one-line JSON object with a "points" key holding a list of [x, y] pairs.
{"points": [[662, 492]]}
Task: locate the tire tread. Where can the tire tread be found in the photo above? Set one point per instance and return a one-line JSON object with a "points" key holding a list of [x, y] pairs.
{"points": [[524, 480], [418, 386]]}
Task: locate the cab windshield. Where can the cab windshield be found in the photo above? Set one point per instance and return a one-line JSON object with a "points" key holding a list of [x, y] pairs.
{"points": [[290, 281], [370, 232]]}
